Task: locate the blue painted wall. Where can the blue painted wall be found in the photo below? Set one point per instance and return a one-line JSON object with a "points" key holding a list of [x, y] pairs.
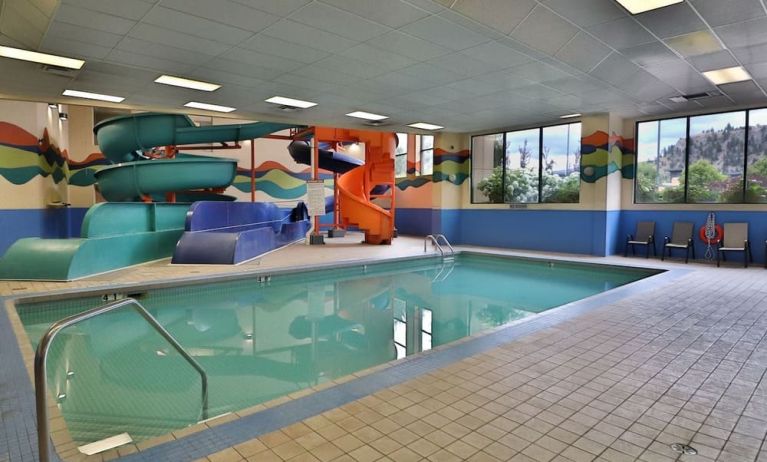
{"points": [[664, 221], [50, 223]]}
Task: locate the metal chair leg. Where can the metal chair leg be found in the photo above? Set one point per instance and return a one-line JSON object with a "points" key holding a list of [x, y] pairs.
{"points": [[686, 254], [717, 257]]}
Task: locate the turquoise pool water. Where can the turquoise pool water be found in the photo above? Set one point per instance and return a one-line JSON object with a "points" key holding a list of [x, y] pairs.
{"points": [[260, 340]]}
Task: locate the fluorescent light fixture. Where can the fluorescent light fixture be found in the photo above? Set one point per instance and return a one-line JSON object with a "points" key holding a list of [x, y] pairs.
{"points": [[570, 116], [210, 107], [187, 83], [63, 116], [96, 96], [727, 75], [367, 115], [42, 58], [640, 6], [425, 126], [281, 100], [53, 106]]}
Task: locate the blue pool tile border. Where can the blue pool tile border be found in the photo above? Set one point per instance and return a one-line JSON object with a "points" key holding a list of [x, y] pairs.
{"points": [[218, 438]]}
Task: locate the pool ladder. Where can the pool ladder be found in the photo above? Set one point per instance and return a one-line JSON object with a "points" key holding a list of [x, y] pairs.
{"points": [[435, 238], [41, 357]]}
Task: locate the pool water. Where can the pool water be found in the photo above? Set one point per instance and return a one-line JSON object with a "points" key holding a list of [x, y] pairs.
{"points": [[261, 340]]}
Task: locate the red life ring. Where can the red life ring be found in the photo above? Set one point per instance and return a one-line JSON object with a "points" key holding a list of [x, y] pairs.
{"points": [[716, 240]]}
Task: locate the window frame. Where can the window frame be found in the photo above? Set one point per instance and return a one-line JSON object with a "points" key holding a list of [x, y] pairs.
{"points": [[540, 200], [419, 151], [687, 118]]}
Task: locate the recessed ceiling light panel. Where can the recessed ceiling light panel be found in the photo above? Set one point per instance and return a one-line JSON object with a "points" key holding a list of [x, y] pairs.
{"points": [[640, 6], [96, 96], [210, 107], [42, 58], [187, 83], [283, 101], [367, 115], [570, 116], [727, 75], [426, 126]]}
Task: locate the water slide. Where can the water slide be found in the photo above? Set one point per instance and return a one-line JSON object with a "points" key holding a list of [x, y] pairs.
{"points": [[360, 183], [119, 234]]}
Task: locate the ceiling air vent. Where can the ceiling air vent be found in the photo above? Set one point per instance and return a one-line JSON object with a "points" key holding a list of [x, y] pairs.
{"points": [[286, 108], [694, 96], [60, 71], [375, 123]]}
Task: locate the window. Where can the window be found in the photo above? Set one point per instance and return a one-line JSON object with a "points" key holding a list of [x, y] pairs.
{"points": [[756, 174], [487, 168], [561, 162], [661, 147], [527, 166], [426, 154], [713, 158], [400, 156]]}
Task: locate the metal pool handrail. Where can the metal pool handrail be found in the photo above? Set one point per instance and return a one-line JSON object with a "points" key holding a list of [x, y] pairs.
{"points": [[433, 239], [447, 243], [41, 357]]}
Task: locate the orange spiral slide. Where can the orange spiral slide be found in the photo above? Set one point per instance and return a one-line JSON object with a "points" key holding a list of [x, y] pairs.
{"points": [[356, 188]]}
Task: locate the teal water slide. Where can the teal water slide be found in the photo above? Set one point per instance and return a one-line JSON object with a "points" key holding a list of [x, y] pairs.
{"points": [[125, 232]]}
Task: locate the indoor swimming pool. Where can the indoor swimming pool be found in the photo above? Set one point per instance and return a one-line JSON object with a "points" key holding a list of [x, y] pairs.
{"points": [[263, 338]]}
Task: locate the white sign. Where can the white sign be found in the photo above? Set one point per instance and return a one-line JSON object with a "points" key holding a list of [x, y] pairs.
{"points": [[315, 197]]}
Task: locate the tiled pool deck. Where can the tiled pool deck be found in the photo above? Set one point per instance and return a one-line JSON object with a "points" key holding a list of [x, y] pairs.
{"points": [[679, 357]]}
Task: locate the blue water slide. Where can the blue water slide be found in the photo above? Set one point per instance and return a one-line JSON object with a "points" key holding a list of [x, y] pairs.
{"points": [[228, 233]]}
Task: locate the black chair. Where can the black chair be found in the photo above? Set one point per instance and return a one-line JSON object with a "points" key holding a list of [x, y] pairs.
{"points": [[681, 238], [735, 240], [645, 235]]}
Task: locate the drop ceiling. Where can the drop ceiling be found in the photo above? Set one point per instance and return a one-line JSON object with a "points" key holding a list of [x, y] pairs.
{"points": [[469, 65]]}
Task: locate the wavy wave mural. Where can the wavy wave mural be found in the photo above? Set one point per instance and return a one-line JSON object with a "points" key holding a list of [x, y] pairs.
{"points": [[24, 156], [603, 154], [453, 167], [277, 180]]}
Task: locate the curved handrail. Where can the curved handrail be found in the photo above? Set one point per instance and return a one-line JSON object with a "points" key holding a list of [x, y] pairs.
{"points": [[433, 239], [41, 357], [452, 250]]}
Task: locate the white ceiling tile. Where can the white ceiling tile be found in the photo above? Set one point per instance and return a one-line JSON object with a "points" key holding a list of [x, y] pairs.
{"points": [[392, 13], [497, 54], [128, 58], [246, 69], [277, 7], [718, 60], [431, 73], [544, 31], [308, 36], [175, 39], [161, 51], [650, 54], [408, 45], [86, 35], [583, 52], [444, 33], [751, 54], [129, 9], [672, 20], [195, 25], [71, 14], [586, 13], [501, 15], [720, 13], [337, 21], [621, 33], [261, 59], [744, 34], [538, 72], [369, 54], [224, 12], [74, 48], [277, 47], [465, 66]]}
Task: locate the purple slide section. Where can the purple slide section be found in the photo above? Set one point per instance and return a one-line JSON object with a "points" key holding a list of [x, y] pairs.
{"points": [[227, 233]]}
